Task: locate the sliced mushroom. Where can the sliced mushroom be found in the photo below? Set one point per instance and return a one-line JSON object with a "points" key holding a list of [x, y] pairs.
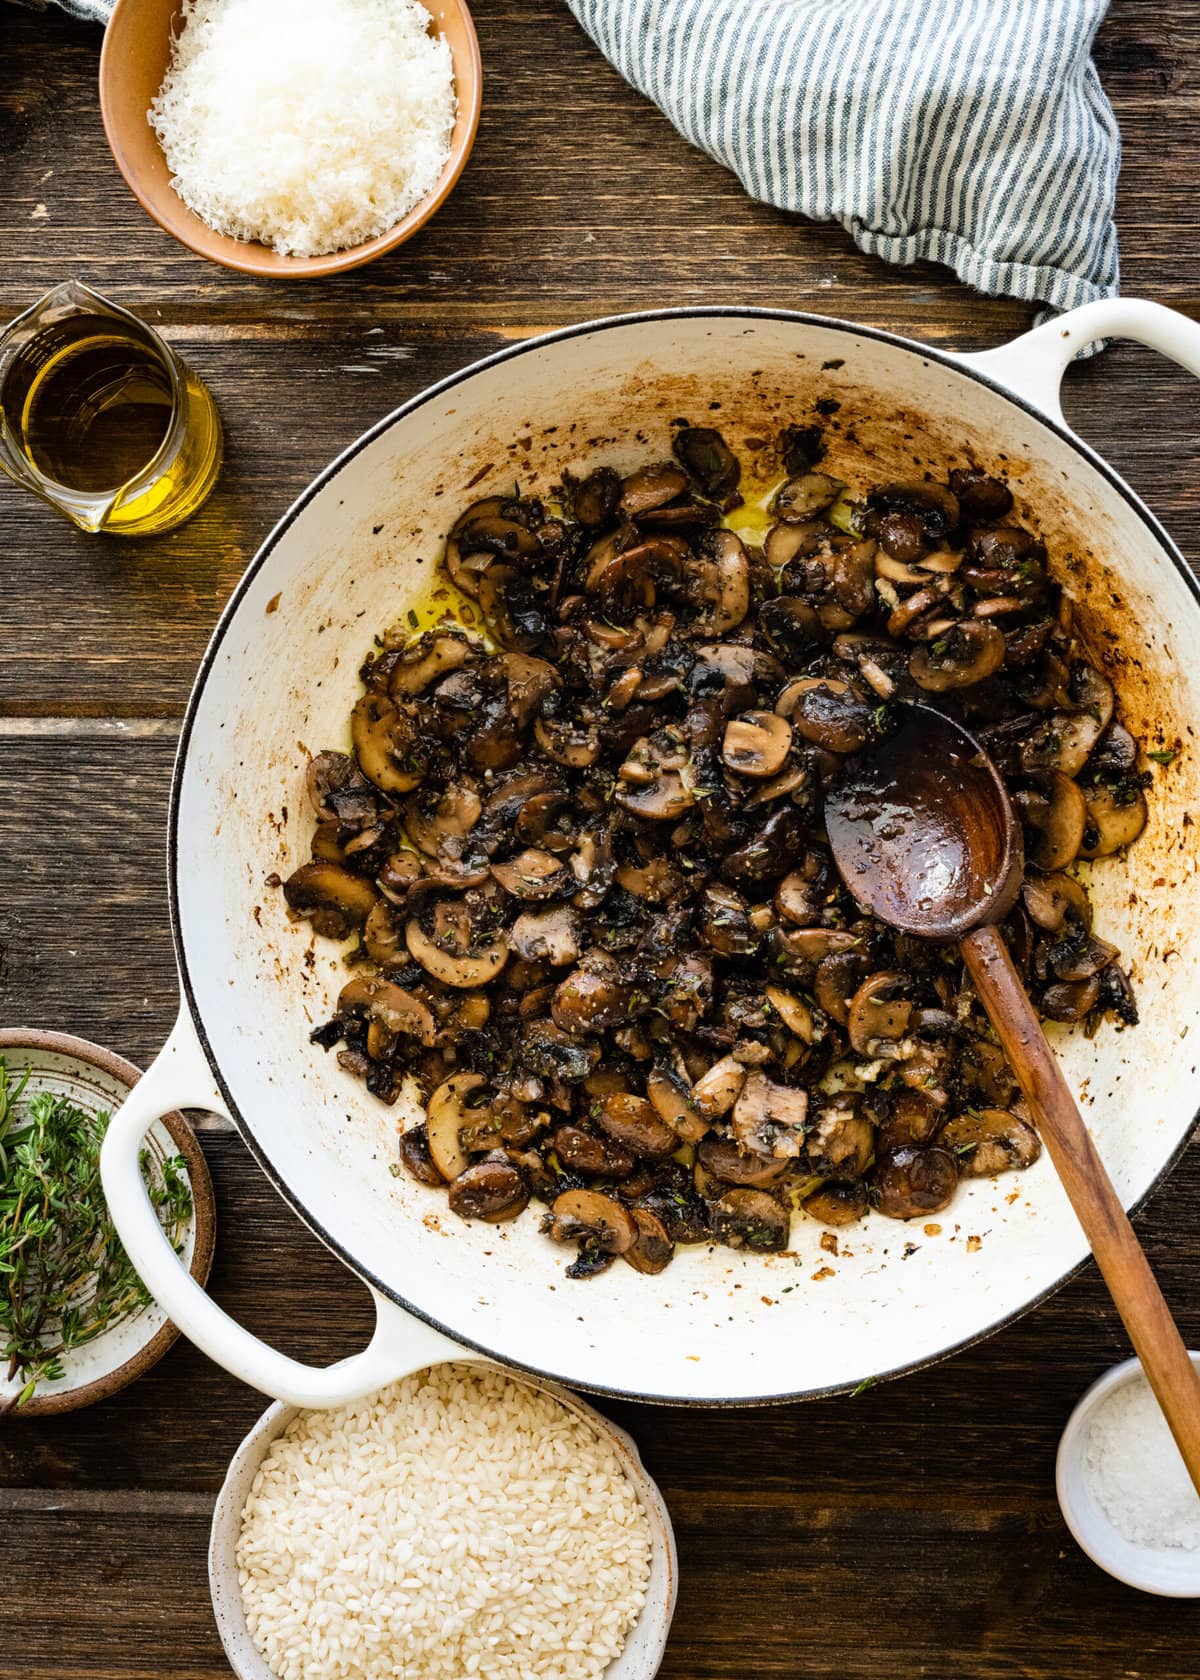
{"points": [[580, 1214], [653, 1248], [493, 1190], [913, 1183], [757, 743], [1114, 755], [389, 742], [751, 1219], [841, 1137], [879, 1015], [1078, 956], [593, 996], [838, 977], [657, 881], [576, 745], [595, 498], [383, 938], [478, 536], [716, 1091], [673, 1104], [703, 452], [792, 626], [555, 1054], [1050, 899], [431, 656], [1115, 817], [795, 1014], [909, 1117], [982, 498], [534, 875], [330, 897], [414, 1154], [474, 967], [515, 608], [635, 1125], [1061, 742], [458, 1100], [1054, 815], [838, 1204], [964, 655], [552, 935], [1092, 693], [725, 1160], [337, 789], [804, 895], [769, 853], [828, 712], [804, 495], [988, 1141], [769, 1118], [651, 781], [1070, 1000], [724, 922], [439, 819], [727, 598], [593, 1156], [652, 487]]}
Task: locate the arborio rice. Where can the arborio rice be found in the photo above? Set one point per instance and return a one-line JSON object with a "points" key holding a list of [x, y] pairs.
{"points": [[456, 1524]]}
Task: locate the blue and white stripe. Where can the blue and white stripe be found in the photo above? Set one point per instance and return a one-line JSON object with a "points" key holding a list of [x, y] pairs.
{"points": [[973, 133]]}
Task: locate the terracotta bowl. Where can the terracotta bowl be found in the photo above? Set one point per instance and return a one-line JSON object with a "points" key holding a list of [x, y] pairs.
{"points": [[133, 62], [97, 1078]]}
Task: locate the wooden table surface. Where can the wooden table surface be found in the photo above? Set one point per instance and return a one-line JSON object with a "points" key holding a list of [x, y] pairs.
{"points": [[910, 1531]]}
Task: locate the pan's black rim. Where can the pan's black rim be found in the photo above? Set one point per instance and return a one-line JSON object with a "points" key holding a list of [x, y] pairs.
{"points": [[611, 323]]}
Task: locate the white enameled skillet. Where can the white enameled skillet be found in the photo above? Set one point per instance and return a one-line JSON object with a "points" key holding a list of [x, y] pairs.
{"points": [[278, 681]]}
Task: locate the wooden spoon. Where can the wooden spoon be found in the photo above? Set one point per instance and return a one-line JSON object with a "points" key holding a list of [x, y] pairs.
{"points": [[925, 838]]}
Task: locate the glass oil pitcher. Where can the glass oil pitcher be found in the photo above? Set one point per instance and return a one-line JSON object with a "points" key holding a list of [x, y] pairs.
{"points": [[100, 418]]}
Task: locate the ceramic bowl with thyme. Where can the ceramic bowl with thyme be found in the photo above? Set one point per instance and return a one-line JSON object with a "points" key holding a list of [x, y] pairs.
{"points": [[76, 1321]]}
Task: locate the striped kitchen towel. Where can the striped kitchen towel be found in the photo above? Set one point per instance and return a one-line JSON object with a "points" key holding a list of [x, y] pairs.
{"points": [[973, 133]]}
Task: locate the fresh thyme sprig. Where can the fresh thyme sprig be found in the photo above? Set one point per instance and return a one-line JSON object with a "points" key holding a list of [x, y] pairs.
{"points": [[64, 1277]]}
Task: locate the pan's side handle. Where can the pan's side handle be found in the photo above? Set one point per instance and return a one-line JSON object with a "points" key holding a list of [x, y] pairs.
{"points": [[180, 1078], [1033, 365]]}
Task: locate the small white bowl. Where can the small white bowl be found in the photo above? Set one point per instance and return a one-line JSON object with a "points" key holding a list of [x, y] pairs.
{"points": [[647, 1642], [1173, 1573]]}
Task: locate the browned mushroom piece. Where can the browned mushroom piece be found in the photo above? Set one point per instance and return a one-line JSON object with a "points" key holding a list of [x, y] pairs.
{"points": [[757, 743], [769, 1118], [459, 1101], [575, 745], [581, 1214], [452, 952], [829, 712], [703, 452], [792, 626], [959, 658], [988, 1141], [415, 1156], [879, 1015], [493, 1190], [934, 505], [716, 1091], [672, 1102], [1115, 754], [438, 820], [907, 1117], [841, 1137], [593, 996], [1092, 692], [725, 592], [839, 975], [805, 894], [335, 901], [1070, 1000], [383, 936], [913, 1183], [592, 1155], [795, 1014], [838, 1204], [595, 498], [722, 1157], [1077, 956], [1054, 815], [1115, 816], [804, 495], [634, 1123], [751, 1219], [429, 657], [390, 742], [652, 487], [548, 1050], [985, 1072], [724, 922], [553, 935], [337, 789], [982, 499], [478, 536], [515, 606], [1063, 741], [770, 852], [1052, 899], [653, 1248], [654, 779], [657, 880], [534, 875]]}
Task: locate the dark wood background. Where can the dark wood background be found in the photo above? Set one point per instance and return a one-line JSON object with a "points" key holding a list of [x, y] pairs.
{"points": [[911, 1531]]}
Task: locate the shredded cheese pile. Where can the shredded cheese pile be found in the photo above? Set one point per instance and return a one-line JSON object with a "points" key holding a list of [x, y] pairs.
{"points": [[308, 125]]}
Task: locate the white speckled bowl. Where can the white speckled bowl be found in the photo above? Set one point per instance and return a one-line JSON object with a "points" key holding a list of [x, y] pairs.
{"points": [[1170, 1574], [647, 1642]]}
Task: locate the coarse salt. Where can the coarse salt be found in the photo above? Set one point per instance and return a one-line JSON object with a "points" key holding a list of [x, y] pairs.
{"points": [[1137, 1474]]}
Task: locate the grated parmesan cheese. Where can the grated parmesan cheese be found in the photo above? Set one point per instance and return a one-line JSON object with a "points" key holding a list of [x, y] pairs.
{"points": [[308, 125]]}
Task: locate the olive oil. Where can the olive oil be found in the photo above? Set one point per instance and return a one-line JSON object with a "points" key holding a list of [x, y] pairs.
{"points": [[103, 420]]}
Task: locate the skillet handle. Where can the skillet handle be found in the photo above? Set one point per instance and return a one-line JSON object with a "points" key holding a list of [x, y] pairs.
{"points": [[1033, 365], [180, 1078]]}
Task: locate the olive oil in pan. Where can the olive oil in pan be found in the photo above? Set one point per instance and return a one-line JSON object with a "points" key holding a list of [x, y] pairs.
{"points": [[92, 407]]}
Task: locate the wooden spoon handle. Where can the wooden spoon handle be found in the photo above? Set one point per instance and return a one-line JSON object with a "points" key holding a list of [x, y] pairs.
{"points": [[1124, 1266]]}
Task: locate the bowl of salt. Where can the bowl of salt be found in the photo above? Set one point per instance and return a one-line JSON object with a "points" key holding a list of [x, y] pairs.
{"points": [[1124, 1490]]}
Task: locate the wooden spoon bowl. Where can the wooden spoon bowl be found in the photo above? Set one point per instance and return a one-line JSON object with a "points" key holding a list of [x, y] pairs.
{"points": [[133, 62]]}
